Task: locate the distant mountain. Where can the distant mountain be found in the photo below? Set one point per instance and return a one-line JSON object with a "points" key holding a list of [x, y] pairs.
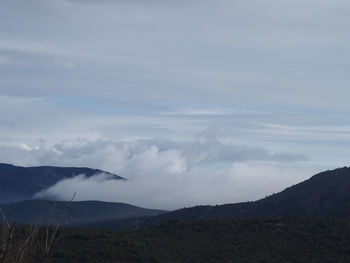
{"points": [[91, 214], [21, 183], [326, 194]]}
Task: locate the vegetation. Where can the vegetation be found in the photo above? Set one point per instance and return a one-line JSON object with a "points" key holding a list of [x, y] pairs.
{"points": [[287, 239], [33, 243], [20, 245]]}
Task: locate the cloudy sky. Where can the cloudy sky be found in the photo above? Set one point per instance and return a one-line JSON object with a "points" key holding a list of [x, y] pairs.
{"points": [[195, 102]]}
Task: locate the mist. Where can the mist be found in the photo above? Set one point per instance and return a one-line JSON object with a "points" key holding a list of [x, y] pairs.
{"points": [[170, 175], [172, 190]]}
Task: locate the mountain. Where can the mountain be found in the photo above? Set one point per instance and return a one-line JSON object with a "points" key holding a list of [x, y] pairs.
{"points": [[21, 183], [326, 194], [85, 213]]}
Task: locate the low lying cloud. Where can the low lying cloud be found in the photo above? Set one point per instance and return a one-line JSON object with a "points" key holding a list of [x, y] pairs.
{"points": [[172, 190], [162, 173]]}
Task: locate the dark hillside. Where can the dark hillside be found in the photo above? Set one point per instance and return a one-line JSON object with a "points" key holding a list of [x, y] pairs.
{"points": [[80, 213], [21, 183], [283, 240], [324, 194]]}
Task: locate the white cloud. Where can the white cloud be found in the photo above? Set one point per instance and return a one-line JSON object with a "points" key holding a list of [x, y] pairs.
{"points": [[26, 147], [161, 173], [238, 182], [130, 157]]}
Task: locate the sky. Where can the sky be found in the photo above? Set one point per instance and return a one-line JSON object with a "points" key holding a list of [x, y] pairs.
{"points": [[194, 102]]}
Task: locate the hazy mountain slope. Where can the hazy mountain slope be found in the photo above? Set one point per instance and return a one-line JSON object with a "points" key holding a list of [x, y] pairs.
{"points": [[324, 194], [21, 183], [79, 213]]}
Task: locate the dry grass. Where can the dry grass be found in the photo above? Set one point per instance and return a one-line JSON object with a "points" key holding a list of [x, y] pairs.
{"points": [[16, 248]]}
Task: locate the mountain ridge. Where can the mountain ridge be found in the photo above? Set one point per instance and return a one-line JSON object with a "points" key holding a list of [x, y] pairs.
{"points": [[19, 183], [326, 194]]}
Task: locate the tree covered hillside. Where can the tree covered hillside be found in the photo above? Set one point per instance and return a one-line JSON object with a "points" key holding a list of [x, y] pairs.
{"points": [[287, 239]]}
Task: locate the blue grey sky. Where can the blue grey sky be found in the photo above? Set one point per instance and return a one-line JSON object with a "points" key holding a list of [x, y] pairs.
{"points": [[226, 93]]}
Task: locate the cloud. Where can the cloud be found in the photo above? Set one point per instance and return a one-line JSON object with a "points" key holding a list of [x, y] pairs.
{"points": [[214, 112], [208, 148], [162, 173], [80, 128], [169, 190], [130, 156], [255, 52]]}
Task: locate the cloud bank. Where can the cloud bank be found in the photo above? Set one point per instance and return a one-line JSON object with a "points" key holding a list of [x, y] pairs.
{"points": [[167, 174], [128, 156], [170, 189]]}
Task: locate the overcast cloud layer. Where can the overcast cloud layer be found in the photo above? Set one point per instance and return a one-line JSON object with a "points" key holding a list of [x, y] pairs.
{"points": [[176, 91]]}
